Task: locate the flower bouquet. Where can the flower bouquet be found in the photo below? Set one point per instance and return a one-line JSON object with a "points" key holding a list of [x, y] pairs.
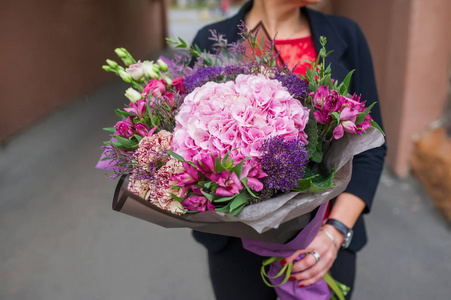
{"points": [[235, 143]]}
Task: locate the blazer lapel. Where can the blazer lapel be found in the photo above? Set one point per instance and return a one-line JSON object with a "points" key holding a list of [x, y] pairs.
{"points": [[320, 25]]}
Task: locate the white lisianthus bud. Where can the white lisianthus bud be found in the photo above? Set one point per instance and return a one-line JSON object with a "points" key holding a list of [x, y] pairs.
{"points": [[163, 65], [112, 63], [107, 68], [167, 80], [125, 76], [148, 67], [126, 57], [156, 68], [132, 95], [121, 52]]}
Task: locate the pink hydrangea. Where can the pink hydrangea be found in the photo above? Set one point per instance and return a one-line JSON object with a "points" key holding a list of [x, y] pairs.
{"points": [[237, 116], [151, 148]]}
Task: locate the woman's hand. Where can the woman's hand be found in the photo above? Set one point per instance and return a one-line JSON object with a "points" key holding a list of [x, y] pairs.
{"points": [[308, 270]]}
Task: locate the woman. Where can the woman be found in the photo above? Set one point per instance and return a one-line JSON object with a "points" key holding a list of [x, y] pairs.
{"points": [[235, 271]]}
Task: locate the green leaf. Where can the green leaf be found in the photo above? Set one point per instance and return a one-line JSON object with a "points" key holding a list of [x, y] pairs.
{"points": [[238, 168], [218, 165], [207, 195], [224, 199], [308, 74], [237, 204], [375, 125], [176, 156], [110, 129], [313, 86], [316, 183], [327, 80], [179, 199], [122, 147], [242, 198], [249, 190], [224, 209], [138, 137], [129, 144], [123, 114], [224, 160], [343, 88], [311, 129], [336, 116], [316, 156], [236, 210], [361, 117]]}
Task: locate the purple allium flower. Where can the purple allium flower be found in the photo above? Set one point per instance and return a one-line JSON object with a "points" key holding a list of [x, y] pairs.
{"points": [[283, 162], [202, 76], [231, 72], [294, 84]]}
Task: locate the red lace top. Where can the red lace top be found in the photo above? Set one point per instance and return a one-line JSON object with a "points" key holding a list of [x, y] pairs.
{"points": [[296, 51]]}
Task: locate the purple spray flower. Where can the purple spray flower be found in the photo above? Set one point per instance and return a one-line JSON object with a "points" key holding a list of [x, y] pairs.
{"points": [[283, 162]]}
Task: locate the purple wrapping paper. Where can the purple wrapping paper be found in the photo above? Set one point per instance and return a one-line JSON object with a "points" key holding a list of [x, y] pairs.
{"points": [[290, 290]]}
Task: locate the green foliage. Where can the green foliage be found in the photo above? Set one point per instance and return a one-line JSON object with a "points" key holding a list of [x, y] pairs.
{"points": [[314, 183]]}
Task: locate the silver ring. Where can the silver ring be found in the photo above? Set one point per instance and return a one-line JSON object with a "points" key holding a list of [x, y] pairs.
{"points": [[316, 256]]}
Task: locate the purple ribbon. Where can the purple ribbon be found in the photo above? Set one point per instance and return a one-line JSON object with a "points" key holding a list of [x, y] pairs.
{"points": [[289, 290]]}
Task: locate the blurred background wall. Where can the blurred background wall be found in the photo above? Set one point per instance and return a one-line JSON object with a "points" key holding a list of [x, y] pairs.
{"points": [[52, 51]]}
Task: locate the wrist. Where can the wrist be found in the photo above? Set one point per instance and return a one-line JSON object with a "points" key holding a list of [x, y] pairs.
{"points": [[337, 235], [345, 231]]}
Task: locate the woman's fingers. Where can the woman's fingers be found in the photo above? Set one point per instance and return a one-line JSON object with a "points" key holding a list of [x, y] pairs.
{"points": [[291, 258], [320, 255]]}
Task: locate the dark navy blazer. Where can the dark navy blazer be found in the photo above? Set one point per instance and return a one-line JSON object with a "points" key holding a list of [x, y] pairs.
{"points": [[350, 52]]}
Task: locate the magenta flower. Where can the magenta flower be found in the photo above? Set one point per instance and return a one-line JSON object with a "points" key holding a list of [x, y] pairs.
{"points": [[170, 99], [138, 108], [347, 122], [125, 128], [188, 177], [229, 183], [206, 165], [155, 88], [178, 84], [142, 129], [253, 172], [198, 203], [326, 102]]}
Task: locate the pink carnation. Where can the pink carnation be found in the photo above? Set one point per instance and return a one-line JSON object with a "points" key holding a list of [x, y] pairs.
{"points": [[160, 194], [221, 117], [138, 186], [152, 147]]}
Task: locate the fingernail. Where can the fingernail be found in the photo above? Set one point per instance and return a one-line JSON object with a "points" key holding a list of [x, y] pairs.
{"points": [[301, 285], [292, 278], [283, 262]]}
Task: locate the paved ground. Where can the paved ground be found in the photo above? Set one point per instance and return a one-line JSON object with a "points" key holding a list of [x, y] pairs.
{"points": [[60, 239]]}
